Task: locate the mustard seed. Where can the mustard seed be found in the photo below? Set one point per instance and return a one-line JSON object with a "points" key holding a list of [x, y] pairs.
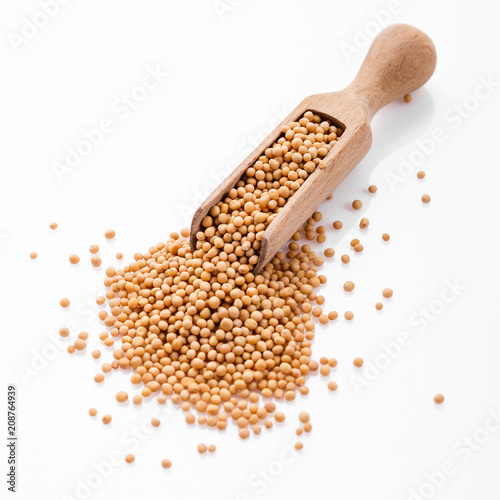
{"points": [[96, 353], [74, 259], [166, 464], [279, 417], [96, 261], [64, 302], [307, 427], [332, 386], [338, 225], [364, 223], [33, 255], [53, 225], [379, 306], [211, 448], [358, 248], [426, 198], [387, 293], [348, 315], [386, 237], [106, 419], [92, 412], [345, 259], [372, 189], [356, 204], [333, 315], [80, 344], [121, 396], [119, 255], [325, 371], [71, 349], [100, 300], [94, 249], [407, 98], [63, 332], [109, 234], [420, 174], [438, 399], [332, 362], [99, 378], [298, 445], [155, 422], [202, 448], [358, 362], [348, 286], [329, 252], [129, 458], [304, 417], [137, 399]]}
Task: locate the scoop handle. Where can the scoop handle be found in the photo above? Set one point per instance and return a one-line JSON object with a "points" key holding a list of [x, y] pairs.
{"points": [[401, 59]]}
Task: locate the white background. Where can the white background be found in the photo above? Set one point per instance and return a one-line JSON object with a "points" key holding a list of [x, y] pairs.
{"points": [[232, 76]]}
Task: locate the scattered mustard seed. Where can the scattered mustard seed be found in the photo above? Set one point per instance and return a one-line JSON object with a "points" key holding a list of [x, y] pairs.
{"points": [[96, 261], [356, 204], [94, 249], [80, 344], [279, 417], [33, 255], [329, 252], [64, 332], [386, 237], [338, 225], [53, 225], [166, 464], [379, 306], [202, 448], [298, 445], [426, 198], [372, 189], [121, 396], [349, 286], [110, 234], [438, 399], [74, 259], [420, 174], [364, 223], [358, 362], [345, 259], [106, 419], [332, 386], [348, 315], [129, 458], [407, 98], [92, 412], [387, 293]]}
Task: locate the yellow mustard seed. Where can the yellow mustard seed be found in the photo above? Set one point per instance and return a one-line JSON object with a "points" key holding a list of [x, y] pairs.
{"points": [[438, 399]]}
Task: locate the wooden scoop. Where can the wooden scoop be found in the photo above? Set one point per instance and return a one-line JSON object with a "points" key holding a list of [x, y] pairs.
{"points": [[400, 60]]}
